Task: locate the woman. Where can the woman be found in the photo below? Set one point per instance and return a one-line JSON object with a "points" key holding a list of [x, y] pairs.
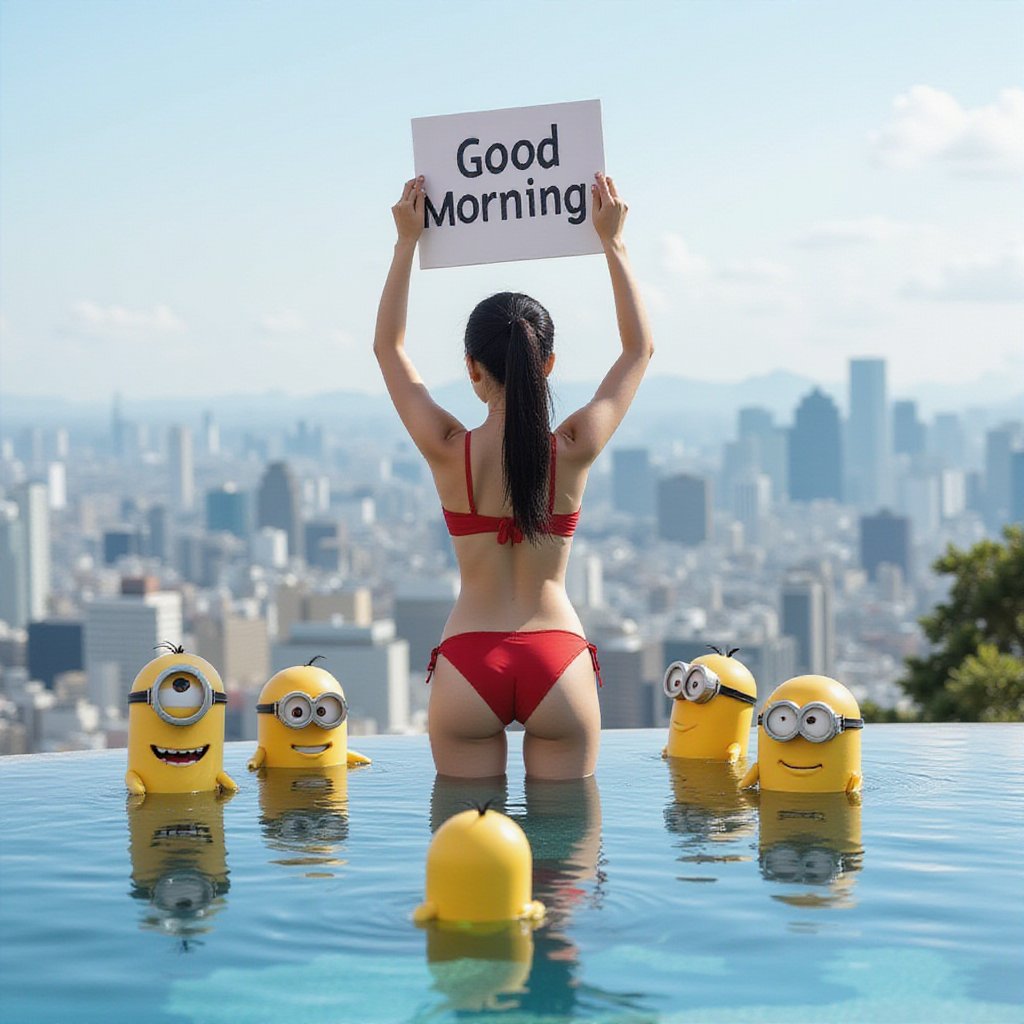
{"points": [[513, 646]]}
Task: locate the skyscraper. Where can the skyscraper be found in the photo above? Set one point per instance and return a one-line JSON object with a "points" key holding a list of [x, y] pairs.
{"points": [[34, 510], [180, 465], [277, 505], [867, 441], [804, 612], [13, 569], [1000, 443], [227, 510], [907, 429], [815, 450], [1017, 487], [884, 538], [632, 481], [684, 509]]}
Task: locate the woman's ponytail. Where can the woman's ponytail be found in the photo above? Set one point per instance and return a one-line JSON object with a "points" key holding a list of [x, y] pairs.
{"points": [[512, 336]]}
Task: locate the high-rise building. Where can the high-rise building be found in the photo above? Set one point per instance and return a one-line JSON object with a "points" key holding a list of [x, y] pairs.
{"points": [[422, 608], [120, 542], [946, 440], [885, 538], [278, 505], [54, 646], [751, 502], [815, 450], [1000, 444], [908, 434], [158, 527], [804, 613], [211, 435], [684, 509], [181, 467], [627, 698], [1017, 487], [868, 447], [121, 634], [13, 567], [632, 481], [34, 510], [57, 484], [227, 510], [237, 645], [323, 544]]}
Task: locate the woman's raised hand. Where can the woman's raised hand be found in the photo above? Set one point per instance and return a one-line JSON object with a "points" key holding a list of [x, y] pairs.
{"points": [[408, 211], [607, 210]]}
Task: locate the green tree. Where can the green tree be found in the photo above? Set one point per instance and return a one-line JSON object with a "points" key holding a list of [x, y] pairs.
{"points": [[985, 608]]}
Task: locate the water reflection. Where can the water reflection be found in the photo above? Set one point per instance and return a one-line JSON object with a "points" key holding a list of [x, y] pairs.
{"points": [[511, 966], [709, 812], [179, 862], [810, 843], [304, 815]]}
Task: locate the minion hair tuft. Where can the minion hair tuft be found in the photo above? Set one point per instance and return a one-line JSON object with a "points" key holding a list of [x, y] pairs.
{"points": [[713, 648], [169, 647], [314, 659], [731, 651]]}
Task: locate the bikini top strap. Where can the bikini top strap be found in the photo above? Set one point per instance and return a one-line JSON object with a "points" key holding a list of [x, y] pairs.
{"points": [[551, 482], [469, 476]]}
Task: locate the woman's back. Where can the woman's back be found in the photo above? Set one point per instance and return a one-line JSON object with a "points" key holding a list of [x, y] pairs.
{"points": [[508, 582]]}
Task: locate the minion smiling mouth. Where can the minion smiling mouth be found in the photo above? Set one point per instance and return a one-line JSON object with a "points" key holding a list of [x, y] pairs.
{"points": [[169, 755], [683, 728], [311, 751], [800, 767]]}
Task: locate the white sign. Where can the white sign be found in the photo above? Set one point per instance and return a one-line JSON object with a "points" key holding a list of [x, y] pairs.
{"points": [[508, 184]]}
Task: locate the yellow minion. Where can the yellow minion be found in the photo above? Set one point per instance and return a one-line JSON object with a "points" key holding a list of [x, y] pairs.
{"points": [[176, 727], [303, 723], [713, 706], [179, 861], [479, 870], [808, 739]]}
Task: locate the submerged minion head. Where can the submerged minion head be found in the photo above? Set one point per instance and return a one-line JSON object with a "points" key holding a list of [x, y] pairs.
{"points": [[480, 870], [303, 719], [713, 705], [176, 724], [809, 737]]}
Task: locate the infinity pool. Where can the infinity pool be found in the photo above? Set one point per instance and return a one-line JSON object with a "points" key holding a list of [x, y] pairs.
{"points": [[670, 896]]}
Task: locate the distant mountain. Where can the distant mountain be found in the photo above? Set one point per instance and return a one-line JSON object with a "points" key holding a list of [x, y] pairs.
{"points": [[660, 397]]}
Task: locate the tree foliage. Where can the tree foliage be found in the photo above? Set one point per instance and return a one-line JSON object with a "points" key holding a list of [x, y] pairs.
{"points": [[975, 669]]}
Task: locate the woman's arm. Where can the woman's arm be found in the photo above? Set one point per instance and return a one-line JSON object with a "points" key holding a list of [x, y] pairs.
{"points": [[591, 427], [428, 424]]}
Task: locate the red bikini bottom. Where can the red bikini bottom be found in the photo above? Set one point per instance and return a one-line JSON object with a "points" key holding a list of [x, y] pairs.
{"points": [[513, 671]]}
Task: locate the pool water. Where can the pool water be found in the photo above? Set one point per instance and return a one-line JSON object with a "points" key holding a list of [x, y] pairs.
{"points": [[671, 897]]}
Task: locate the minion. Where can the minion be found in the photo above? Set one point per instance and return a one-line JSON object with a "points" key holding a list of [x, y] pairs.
{"points": [[808, 739], [712, 709], [179, 861], [708, 809], [479, 870], [810, 841], [302, 716], [176, 727], [304, 815]]}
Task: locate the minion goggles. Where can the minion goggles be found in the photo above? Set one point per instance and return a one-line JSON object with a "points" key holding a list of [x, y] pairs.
{"points": [[816, 722], [179, 695], [297, 710], [699, 684]]}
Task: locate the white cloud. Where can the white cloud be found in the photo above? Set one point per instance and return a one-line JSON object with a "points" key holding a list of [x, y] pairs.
{"points": [[678, 259], [864, 231], [97, 319], [285, 321], [929, 124], [983, 277], [754, 272]]}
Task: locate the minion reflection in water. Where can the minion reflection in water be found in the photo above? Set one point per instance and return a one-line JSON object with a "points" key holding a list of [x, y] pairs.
{"points": [[808, 740], [176, 727], [810, 843], [179, 862], [304, 816], [713, 707], [303, 721]]}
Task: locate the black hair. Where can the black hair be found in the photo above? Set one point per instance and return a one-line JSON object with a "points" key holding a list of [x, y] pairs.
{"points": [[512, 336]]}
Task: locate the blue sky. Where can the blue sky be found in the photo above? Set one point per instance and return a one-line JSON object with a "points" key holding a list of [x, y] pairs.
{"points": [[196, 195]]}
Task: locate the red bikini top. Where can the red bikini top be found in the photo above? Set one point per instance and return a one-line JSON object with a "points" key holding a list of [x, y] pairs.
{"points": [[462, 524]]}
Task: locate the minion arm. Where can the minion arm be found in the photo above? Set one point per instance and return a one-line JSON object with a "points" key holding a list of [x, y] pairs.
{"points": [[853, 782], [134, 783], [355, 759], [732, 753], [257, 759], [750, 779], [226, 783]]}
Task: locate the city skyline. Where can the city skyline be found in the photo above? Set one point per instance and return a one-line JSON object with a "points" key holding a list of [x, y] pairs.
{"points": [[837, 182]]}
